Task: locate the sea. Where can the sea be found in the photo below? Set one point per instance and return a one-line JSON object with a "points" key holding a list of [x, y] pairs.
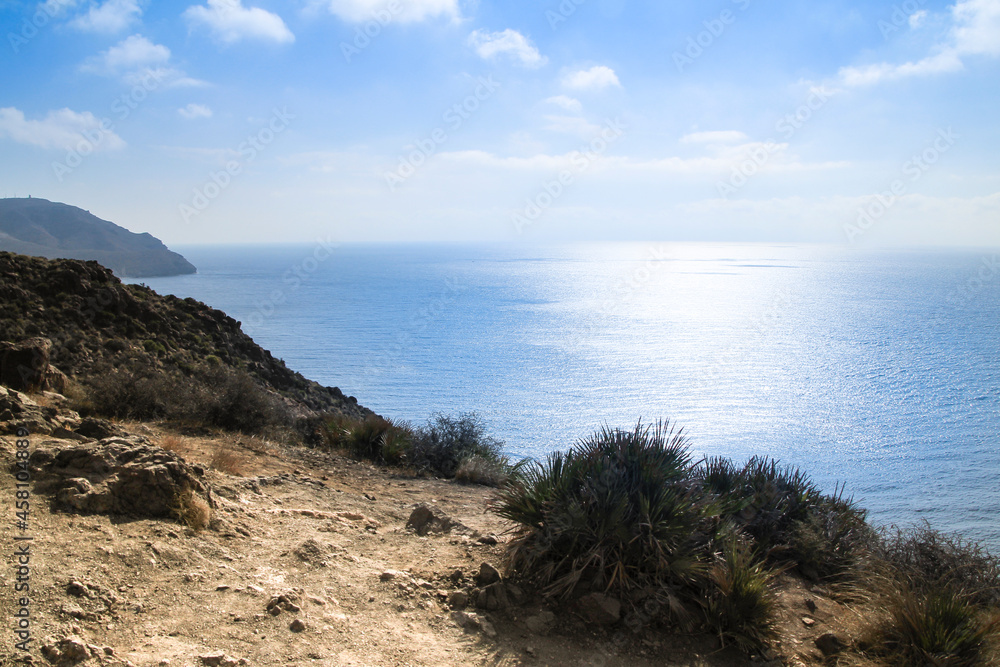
{"points": [[874, 371]]}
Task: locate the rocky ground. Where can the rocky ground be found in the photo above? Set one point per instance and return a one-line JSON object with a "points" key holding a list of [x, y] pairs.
{"points": [[309, 558]]}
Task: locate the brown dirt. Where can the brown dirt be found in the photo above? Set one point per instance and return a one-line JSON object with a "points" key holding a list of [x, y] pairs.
{"points": [[322, 530]]}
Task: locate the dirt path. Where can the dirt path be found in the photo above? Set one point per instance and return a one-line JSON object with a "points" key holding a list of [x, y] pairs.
{"points": [[329, 535]]}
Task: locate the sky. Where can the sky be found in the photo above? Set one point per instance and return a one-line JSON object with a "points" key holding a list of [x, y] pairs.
{"points": [[258, 121]]}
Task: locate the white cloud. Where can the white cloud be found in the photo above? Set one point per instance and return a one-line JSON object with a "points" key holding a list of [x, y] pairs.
{"points": [[566, 102], [975, 31], [720, 162], [576, 125], [977, 27], [64, 129], [134, 52], [110, 17], [714, 137], [595, 78], [492, 44], [57, 8], [193, 111], [139, 62], [917, 19], [404, 11], [231, 22]]}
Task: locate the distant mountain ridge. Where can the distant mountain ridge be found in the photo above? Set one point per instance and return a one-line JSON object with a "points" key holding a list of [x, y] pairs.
{"points": [[53, 230]]}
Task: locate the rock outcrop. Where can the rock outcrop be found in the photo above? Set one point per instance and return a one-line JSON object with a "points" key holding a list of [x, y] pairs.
{"points": [[124, 476], [94, 322]]}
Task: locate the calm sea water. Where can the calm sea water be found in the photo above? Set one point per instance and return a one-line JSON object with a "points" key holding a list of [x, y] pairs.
{"points": [[877, 370]]}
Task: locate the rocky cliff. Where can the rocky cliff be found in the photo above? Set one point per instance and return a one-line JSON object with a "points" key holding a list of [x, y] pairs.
{"points": [[97, 323], [49, 229]]}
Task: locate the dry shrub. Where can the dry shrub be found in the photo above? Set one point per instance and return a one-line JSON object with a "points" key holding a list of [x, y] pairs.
{"points": [[191, 510], [172, 443], [228, 460]]}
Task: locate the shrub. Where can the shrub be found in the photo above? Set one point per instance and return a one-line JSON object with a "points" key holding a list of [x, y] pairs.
{"points": [[741, 605], [938, 627], [235, 401], [617, 512], [376, 439], [445, 442], [191, 510], [787, 516], [928, 560], [129, 393], [228, 460], [488, 471]]}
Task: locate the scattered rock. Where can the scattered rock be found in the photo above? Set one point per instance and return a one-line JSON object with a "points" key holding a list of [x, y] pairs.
{"points": [[540, 622], [489, 540], [493, 597], [218, 659], [458, 599], [487, 575], [599, 608], [808, 622], [391, 575], [425, 519], [473, 622], [99, 429], [830, 644], [810, 604], [298, 625], [66, 650], [311, 551]]}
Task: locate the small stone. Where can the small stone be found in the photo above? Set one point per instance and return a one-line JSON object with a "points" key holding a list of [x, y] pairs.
{"points": [[830, 644], [540, 622], [222, 587], [458, 599], [298, 625], [808, 622], [810, 605], [390, 575], [465, 620], [487, 575]]}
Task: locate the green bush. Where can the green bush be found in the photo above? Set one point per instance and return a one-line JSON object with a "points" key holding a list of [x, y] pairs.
{"points": [[932, 628], [927, 560], [444, 442], [220, 397], [618, 512], [741, 605]]}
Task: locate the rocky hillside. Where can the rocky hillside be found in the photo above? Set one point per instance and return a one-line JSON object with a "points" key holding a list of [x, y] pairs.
{"points": [[96, 323], [49, 229]]}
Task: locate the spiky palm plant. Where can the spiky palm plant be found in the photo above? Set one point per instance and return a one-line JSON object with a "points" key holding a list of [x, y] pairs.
{"points": [[617, 512]]}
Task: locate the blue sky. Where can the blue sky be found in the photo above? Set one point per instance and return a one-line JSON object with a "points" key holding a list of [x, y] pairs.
{"points": [[442, 120]]}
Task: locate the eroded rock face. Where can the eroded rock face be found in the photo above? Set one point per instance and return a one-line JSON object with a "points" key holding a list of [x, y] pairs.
{"points": [[24, 365], [119, 475], [19, 411]]}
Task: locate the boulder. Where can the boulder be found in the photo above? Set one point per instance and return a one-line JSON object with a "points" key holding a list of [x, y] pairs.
{"points": [[425, 519], [119, 476], [487, 575], [600, 609], [24, 365]]}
